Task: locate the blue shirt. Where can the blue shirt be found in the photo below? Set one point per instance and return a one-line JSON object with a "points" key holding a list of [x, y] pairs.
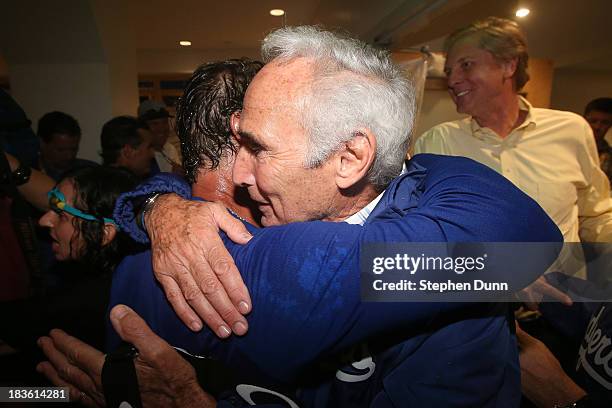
{"points": [[304, 283]]}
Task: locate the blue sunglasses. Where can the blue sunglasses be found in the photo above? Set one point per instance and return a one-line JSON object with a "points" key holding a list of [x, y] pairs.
{"points": [[57, 202]]}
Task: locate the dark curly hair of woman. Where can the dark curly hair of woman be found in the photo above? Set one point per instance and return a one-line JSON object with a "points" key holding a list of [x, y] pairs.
{"points": [[96, 190]]}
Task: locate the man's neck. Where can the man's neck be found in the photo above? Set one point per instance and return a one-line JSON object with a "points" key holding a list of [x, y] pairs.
{"points": [[502, 115], [211, 186], [351, 204]]}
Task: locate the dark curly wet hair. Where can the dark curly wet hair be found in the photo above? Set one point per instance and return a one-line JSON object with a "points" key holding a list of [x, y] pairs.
{"points": [[96, 190], [213, 93]]}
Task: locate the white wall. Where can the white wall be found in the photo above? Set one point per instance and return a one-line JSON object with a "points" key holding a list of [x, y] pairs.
{"points": [[74, 56], [81, 90], [3, 67], [185, 60], [573, 89], [116, 35], [437, 107]]}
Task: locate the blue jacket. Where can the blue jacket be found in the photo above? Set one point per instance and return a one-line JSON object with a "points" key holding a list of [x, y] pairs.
{"points": [[304, 283]]}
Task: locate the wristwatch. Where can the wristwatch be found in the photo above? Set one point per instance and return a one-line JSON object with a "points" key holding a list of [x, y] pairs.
{"points": [[145, 206], [21, 175]]}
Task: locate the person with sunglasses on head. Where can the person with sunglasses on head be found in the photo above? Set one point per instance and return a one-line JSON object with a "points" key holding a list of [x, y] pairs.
{"points": [[72, 229], [80, 223]]}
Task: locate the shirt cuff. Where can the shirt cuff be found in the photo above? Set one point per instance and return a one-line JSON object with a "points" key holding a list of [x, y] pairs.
{"points": [[124, 213]]}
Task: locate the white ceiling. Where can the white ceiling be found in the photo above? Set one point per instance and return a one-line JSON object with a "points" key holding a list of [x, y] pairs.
{"points": [[241, 24], [574, 34]]}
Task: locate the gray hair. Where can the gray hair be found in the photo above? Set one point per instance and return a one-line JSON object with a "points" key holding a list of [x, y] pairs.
{"points": [[355, 86]]}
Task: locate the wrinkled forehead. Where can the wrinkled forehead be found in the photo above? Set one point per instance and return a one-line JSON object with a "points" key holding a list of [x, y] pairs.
{"points": [[273, 103], [280, 85]]}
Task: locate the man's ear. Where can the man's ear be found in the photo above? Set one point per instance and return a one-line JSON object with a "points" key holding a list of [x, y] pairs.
{"points": [[355, 159], [510, 68], [110, 231], [235, 123]]}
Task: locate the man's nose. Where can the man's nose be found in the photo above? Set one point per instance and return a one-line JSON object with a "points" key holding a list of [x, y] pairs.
{"points": [[242, 174], [453, 77]]}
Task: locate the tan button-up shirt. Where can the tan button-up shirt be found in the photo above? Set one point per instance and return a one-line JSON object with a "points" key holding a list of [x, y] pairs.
{"points": [[551, 156]]}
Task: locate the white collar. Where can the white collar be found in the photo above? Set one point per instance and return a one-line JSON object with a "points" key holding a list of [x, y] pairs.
{"points": [[362, 215]]}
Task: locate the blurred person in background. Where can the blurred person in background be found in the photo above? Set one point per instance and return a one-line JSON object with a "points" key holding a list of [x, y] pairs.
{"points": [[16, 135], [127, 142], [157, 118], [598, 113], [79, 222], [18, 243], [550, 155], [60, 135]]}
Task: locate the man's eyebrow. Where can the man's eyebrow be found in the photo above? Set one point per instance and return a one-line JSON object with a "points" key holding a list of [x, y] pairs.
{"points": [[250, 139], [459, 61]]}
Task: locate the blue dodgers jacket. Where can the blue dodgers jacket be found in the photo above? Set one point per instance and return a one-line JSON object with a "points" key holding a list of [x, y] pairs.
{"points": [[307, 310]]}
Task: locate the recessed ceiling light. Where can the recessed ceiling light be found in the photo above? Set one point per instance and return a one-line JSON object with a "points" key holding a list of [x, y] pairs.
{"points": [[185, 43], [522, 12], [277, 12]]}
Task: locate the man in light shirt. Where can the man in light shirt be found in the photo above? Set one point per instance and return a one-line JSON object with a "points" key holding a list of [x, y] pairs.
{"points": [[155, 115], [549, 154]]}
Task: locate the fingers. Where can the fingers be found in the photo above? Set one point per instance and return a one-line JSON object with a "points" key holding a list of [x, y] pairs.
{"points": [[154, 352], [533, 294], [193, 266], [184, 304], [74, 393], [133, 329], [60, 371], [222, 298], [217, 282], [520, 333], [229, 224], [523, 338], [47, 369], [175, 296], [547, 289], [162, 372], [190, 301], [225, 268], [78, 353]]}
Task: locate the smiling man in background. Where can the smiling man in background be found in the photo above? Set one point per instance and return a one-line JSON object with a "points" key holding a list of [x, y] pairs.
{"points": [[549, 154]]}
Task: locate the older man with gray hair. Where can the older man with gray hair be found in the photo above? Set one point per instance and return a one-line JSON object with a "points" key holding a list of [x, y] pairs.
{"points": [[322, 136], [323, 132]]}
